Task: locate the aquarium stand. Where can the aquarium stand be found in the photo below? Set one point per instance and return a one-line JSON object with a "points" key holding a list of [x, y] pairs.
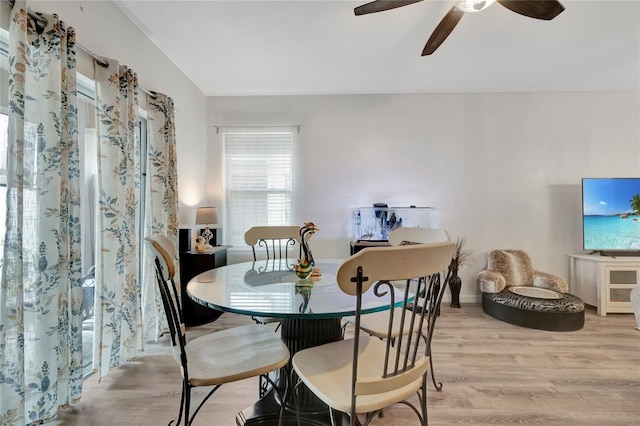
{"points": [[357, 245]]}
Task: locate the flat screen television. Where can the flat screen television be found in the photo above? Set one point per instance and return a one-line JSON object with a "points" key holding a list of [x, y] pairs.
{"points": [[611, 215]]}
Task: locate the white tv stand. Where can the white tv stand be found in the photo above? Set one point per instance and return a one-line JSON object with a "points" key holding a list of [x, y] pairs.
{"points": [[604, 282]]}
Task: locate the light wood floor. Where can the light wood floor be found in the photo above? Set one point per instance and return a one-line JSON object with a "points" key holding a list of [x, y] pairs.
{"points": [[493, 373]]}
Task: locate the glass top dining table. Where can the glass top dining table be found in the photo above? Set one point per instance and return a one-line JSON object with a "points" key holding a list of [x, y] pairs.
{"points": [[270, 288], [309, 312]]}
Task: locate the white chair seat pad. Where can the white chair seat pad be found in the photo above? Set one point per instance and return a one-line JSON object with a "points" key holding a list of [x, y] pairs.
{"points": [[326, 370], [234, 354]]}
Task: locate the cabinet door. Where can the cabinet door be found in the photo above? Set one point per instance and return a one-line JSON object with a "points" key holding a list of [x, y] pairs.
{"points": [[620, 280]]}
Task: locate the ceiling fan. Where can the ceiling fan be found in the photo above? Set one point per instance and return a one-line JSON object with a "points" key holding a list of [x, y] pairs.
{"points": [[539, 9]]}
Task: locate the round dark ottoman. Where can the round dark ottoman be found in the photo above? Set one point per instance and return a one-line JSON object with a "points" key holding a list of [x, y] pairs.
{"points": [[563, 314]]}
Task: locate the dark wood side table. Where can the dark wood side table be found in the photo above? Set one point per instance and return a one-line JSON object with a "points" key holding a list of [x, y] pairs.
{"points": [[193, 263]]}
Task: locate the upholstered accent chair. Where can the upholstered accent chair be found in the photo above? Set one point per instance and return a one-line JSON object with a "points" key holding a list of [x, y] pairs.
{"points": [[515, 292]]}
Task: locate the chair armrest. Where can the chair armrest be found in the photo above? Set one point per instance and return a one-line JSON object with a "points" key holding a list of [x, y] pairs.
{"points": [[490, 281], [550, 281]]}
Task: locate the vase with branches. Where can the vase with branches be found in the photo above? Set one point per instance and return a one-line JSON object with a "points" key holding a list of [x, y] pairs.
{"points": [[461, 257]]}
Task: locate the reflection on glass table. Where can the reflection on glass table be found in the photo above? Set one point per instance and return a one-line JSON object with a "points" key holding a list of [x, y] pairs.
{"points": [[271, 288]]}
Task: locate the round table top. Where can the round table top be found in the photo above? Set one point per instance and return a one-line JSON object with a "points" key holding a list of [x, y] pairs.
{"points": [[270, 288]]}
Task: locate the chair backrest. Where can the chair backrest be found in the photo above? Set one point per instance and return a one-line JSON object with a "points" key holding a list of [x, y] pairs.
{"points": [[161, 247], [514, 265], [414, 235], [164, 251], [276, 240], [418, 265], [403, 262]]}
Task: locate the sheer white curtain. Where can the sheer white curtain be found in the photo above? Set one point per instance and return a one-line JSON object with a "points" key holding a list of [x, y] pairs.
{"points": [[129, 311], [41, 294], [118, 313], [41, 284], [161, 212]]}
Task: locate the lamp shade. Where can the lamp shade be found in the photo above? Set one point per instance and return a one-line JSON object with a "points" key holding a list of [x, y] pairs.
{"points": [[206, 216]]}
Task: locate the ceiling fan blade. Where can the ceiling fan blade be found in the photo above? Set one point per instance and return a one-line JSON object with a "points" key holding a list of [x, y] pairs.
{"points": [[442, 31], [381, 5], [539, 9]]}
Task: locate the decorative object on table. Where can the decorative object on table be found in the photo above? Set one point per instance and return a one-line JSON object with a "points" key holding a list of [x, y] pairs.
{"points": [[305, 265], [460, 258], [206, 216], [303, 288], [200, 244], [513, 268]]}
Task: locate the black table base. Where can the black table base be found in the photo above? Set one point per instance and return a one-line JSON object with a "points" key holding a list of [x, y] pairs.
{"points": [[297, 334]]}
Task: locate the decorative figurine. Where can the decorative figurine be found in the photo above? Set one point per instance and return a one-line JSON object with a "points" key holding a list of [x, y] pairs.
{"points": [[200, 243], [305, 265], [303, 288]]}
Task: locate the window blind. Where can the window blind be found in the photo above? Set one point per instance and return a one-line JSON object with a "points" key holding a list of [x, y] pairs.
{"points": [[258, 179]]}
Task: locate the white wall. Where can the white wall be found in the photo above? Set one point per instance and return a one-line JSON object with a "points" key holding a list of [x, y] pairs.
{"points": [[102, 28], [504, 169]]}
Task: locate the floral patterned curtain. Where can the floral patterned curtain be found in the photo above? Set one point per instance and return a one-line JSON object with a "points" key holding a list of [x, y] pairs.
{"points": [[41, 293], [161, 212], [118, 315]]}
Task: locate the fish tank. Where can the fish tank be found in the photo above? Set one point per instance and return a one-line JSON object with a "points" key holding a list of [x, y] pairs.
{"points": [[375, 223]]}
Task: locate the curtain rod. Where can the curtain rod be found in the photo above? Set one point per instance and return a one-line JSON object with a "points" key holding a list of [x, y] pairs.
{"points": [[104, 63], [297, 126], [99, 59]]}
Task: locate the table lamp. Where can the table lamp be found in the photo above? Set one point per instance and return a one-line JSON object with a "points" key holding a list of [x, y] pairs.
{"points": [[206, 216]]}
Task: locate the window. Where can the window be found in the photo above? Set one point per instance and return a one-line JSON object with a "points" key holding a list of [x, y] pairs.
{"points": [[258, 179]]}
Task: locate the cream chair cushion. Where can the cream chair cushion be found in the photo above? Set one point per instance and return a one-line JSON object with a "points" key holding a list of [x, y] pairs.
{"points": [[328, 374], [233, 354]]}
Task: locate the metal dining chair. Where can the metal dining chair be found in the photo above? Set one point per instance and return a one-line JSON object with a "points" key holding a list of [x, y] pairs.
{"points": [[365, 374], [272, 243], [274, 240], [217, 358], [376, 324]]}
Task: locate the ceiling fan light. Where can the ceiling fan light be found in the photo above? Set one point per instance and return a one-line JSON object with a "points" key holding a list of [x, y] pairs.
{"points": [[473, 5]]}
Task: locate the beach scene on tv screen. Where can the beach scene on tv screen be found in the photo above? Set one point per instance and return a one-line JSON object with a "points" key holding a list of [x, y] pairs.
{"points": [[611, 214]]}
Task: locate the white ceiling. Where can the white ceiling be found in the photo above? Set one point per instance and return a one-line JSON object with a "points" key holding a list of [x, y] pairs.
{"points": [[301, 47]]}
